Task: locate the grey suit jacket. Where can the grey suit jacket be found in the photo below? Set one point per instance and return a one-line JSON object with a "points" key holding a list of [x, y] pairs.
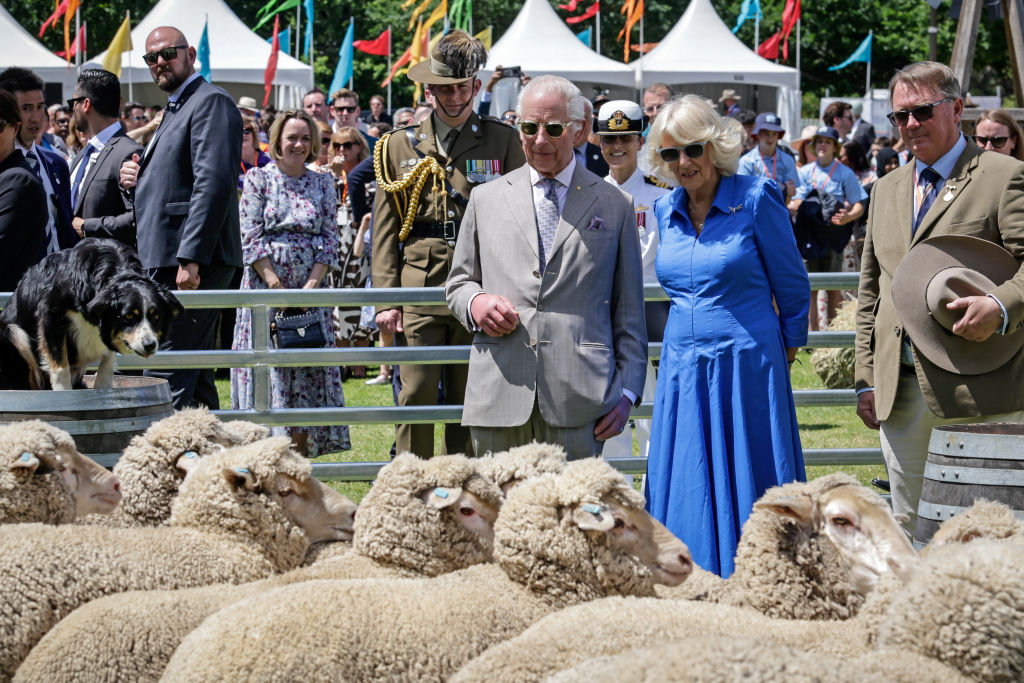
{"points": [[101, 202], [986, 200], [186, 200], [582, 337]]}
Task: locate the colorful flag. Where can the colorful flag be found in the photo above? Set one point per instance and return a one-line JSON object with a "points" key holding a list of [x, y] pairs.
{"points": [[52, 19], [861, 54], [571, 6], [439, 13], [380, 46], [204, 52], [790, 15], [284, 6], [76, 47], [769, 49], [460, 13], [751, 9], [307, 48], [271, 71], [584, 36], [634, 11], [418, 51], [284, 39], [591, 11], [72, 8], [485, 37], [420, 9], [343, 73], [402, 61], [122, 42]]}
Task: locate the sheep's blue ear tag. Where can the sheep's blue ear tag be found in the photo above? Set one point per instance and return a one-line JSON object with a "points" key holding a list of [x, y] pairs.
{"points": [[26, 456], [440, 492], [592, 509], [242, 470], [190, 454]]}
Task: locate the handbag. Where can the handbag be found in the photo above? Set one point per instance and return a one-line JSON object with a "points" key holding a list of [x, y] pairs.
{"points": [[298, 331]]}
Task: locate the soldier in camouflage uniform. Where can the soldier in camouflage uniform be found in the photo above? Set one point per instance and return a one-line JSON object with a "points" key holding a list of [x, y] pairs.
{"points": [[425, 173]]}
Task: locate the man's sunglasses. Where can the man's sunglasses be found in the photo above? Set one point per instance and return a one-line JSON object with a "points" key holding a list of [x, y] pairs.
{"points": [[168, 53], [343, 145], [922, 113], [997, 143], [346, 109], [670, 155], [554, 129], [75, 100]]}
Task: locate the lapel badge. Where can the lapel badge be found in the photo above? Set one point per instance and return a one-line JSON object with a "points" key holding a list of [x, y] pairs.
{"points": [[423, 136], [578, 188], [948, 197], [734, 209], [474, 127]]}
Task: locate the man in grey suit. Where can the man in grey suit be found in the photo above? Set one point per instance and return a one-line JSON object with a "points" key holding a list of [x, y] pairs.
{"points": [[550, 279], [186, 215], [100, 208]]}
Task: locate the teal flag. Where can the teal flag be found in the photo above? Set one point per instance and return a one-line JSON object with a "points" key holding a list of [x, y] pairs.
{"points": [[750, 9], [861, 54], [204, 52], [584, 36], [284, 40], [307, 6], [343, 74]]}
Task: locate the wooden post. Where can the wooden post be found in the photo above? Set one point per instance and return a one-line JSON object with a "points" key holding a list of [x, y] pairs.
{"points": [[1013, 17], [966, 37]]}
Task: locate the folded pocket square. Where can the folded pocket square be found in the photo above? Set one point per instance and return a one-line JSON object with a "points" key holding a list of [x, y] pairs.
{"points": [[596, 223]]}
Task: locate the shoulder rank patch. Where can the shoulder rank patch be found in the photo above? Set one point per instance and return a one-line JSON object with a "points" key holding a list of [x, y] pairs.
{"points": [[651, 180]]}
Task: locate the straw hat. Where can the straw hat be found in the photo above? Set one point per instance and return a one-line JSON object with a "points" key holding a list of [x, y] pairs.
{"points": [[248, 105], [729, 94], [935, 272], [806, 135]]}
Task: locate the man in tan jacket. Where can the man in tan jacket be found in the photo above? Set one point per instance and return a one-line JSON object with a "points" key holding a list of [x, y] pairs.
{"points": [[951, 188]]}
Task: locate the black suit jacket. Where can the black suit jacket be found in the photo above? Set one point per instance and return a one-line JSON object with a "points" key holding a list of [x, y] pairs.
{"points": [[101, 201], [186, 207], [595, 160], [56, 168], [22, 219]]}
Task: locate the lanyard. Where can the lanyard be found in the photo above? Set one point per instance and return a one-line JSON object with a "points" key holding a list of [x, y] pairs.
{"points": [[814, 173], [775, 161]]}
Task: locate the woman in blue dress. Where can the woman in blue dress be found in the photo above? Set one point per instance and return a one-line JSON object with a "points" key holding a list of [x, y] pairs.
{"points": [[724, 428]]}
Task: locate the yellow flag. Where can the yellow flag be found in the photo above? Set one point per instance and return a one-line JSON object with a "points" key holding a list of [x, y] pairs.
{"points": [[439, 13], [122, 42], [420, 9], [417, 54], [485, 37]]}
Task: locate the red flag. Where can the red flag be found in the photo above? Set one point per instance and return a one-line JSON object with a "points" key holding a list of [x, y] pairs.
{"points": [[380, 46], [769, 49], [790, 15], [77, 46], [571, 7], [268, 75], [591, 11], [402, 61], [52, 19]]}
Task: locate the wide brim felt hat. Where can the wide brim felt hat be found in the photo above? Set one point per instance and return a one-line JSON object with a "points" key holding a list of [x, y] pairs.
{"points": [[434, 71], [729, 94], [935, 272]]}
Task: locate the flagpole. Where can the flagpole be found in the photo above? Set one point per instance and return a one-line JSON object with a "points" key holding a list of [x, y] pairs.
{"points": [[798, 78], [597, 24], [131, 94], [757, 27], [298, 27], [78, 28], [352, 54]]}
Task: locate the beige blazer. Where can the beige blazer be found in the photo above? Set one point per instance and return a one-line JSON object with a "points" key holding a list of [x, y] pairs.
{"points": [[582, 336], [986, 199]]}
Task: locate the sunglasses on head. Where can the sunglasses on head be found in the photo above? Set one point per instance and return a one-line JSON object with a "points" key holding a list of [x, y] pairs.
{"points": [[346, 109], [168, 53], [921, 114], [997, 142], [75, 100], [670, 155], [554, 129]]}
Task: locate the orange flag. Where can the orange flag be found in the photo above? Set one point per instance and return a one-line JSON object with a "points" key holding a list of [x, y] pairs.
{"points": [[72, 8], [634, 11]]}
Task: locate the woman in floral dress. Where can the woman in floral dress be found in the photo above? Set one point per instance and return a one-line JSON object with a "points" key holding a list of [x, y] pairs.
{"points": [[290, 241]]}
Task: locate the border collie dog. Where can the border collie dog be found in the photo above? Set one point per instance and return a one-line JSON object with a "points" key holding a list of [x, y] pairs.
{"points": [[80, 306]]}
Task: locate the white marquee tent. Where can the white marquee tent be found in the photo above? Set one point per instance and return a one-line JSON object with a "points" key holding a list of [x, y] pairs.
{"points": [[700, 50], [20, 48], [238, 56]]}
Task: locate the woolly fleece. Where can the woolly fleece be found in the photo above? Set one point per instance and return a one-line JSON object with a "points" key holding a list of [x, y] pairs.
{"points": [[515, 465], [219, 532], [39, 495], [983, 519]]}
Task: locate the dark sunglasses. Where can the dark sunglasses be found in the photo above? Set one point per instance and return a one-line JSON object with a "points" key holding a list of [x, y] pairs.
{"points": [[137, 118], [997, 143], [248, 131], [346, 109], [554, 129], [670, 155], [922, 113], [75, 100], [343, 145], [325, 141], [168, 53]]}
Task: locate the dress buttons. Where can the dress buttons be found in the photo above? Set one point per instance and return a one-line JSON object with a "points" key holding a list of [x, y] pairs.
{"points": [[533, 342], [896, 331], [451, 214], [448, 169], [540, 307]]}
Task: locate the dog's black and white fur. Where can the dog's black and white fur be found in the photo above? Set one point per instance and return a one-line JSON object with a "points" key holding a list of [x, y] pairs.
{"points": [[80, 306]]}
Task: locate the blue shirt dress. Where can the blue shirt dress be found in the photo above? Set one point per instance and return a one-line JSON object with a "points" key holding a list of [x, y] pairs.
{"points": [[724, 428]]}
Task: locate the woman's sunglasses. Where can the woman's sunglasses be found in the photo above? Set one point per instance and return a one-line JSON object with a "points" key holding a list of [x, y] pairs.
{"points": [[922, 113], [997, 143], [343, 145], [554, 129], [248, 131], [670, 155], [325, 141]]}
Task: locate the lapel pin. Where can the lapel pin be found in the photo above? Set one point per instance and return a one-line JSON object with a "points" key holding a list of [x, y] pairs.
{"points": [[734, 209], [948, 197], [579, 187], [474, 127]]}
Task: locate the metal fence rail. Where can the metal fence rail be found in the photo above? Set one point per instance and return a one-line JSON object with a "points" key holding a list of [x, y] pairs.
{"points": [[263, 357]]}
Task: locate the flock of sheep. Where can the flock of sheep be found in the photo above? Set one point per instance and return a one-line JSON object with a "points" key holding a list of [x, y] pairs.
{"points": [[212, 554]]}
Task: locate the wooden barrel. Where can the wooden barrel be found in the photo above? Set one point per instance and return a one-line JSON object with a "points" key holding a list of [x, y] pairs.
{"points": [[966, 462], [101, 421]]}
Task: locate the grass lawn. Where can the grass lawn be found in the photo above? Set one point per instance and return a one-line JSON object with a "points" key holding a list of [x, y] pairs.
{"points": [[825, 427]]}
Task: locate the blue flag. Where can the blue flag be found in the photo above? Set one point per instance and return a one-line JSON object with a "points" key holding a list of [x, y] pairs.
{"points": [[584, 36], [284, 40], [343, 74], [751, 9], [861, 54], [204, 53], [308, 39]]}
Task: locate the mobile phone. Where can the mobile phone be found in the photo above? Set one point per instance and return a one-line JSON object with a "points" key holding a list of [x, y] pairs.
{"points": [[512, 72]]}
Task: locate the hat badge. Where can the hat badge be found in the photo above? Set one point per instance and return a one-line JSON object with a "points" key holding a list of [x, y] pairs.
{"points": [[618, 121]]}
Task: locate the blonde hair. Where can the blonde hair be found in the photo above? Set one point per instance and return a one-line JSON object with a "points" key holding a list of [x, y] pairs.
{"points": [[689, 119], [1005, 118], [274, 146]]}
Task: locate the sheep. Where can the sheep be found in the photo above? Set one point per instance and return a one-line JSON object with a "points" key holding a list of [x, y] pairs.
{"points": [[240, 515], [559, 539], [155, 463], [983, 519], [43, 477], [811, 550], [512, 467], [421, 518]]}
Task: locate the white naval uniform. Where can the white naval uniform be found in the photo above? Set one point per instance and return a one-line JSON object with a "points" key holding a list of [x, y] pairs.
{"points": [[643, 194]]}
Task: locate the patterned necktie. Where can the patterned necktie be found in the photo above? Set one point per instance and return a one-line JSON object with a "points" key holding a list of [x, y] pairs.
{"points": [[547, 218], [80, 173], [931, 180]]}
